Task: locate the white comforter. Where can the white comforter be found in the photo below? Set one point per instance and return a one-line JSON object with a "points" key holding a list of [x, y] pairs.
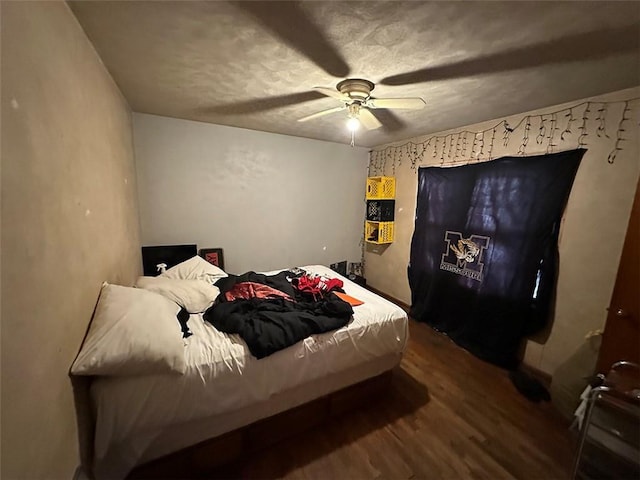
{"points": [[222, 376]]}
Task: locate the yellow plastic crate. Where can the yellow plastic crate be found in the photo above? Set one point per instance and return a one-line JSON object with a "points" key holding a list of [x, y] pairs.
{"points": [[381, 187], [379, 232]]}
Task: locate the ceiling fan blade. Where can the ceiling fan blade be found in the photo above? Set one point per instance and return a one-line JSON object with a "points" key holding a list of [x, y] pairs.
{"points": [[390, 121], [263, 104], [332, 92], [368, 119], [573, 48], [415, 103], [288, 22], [321, 113]]}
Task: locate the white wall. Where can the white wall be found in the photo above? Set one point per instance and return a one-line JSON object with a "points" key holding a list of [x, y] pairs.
{"points": [[271, 201], [69, 222], [592, 232]]}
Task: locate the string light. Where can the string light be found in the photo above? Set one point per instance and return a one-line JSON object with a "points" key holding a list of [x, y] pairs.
{"points": [[583, 127], [455, 146], [602, 113], [616, 148], [554, 127], [567, 130]]}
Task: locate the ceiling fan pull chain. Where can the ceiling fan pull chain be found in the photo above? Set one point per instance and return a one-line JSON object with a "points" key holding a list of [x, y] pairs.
{"points": [[353, 138]]}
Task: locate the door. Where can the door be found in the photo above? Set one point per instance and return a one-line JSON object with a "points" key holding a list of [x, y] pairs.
{"points": [[621, 338]]}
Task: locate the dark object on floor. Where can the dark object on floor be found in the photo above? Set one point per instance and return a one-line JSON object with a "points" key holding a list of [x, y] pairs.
{"points": [[529, 386]]}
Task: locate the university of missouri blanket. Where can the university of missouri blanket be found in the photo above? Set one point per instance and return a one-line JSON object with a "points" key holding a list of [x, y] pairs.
{"points": [[484, 254]]}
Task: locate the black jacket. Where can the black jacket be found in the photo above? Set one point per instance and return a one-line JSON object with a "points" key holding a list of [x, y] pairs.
{"points": [[269, 325]]}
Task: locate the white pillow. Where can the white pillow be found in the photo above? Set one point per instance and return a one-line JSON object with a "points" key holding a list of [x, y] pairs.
{"points": [[194, 295], [133, 332], [196, 268]]}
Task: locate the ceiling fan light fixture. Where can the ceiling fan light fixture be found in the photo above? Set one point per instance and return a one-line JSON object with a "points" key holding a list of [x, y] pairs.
{"points": [[356, 89], [354, 114], [355, 96]]}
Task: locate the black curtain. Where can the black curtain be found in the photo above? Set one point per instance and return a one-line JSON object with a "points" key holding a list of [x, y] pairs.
{"points": [[484, 255]]}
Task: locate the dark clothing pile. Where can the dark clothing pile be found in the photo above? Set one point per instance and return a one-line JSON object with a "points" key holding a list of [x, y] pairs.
{"points": [[278, 316]]}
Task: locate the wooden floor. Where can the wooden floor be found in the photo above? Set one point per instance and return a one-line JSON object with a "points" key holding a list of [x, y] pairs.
{"points": [[447, 415]]}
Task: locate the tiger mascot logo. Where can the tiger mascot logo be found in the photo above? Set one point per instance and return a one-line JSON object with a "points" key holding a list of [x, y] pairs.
{"points": [[463, 256]]}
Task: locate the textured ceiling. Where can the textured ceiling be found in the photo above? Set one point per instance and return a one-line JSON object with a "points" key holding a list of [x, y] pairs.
{"points": [[254, 64]]}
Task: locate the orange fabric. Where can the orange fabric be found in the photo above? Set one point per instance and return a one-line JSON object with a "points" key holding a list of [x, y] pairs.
{"points": [[354, 302]]}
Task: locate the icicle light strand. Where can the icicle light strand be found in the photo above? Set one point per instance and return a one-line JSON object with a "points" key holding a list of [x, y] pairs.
{"points": [[466, 145], [616, 148]]}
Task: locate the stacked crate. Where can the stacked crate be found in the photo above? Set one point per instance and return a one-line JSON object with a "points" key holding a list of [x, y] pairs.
{"points": [[381, 205]]}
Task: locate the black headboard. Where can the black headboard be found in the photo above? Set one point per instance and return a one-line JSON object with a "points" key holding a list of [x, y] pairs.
{"points": [[169, 254]]}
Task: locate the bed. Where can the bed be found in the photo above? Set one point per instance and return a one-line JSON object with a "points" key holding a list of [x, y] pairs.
{"points": [[223, 387]]}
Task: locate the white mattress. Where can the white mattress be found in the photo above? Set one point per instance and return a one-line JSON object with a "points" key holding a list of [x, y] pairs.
{"points": [[141, 418]]}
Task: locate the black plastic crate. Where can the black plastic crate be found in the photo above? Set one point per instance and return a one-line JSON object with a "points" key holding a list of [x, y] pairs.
{"points": [[380, 210]]}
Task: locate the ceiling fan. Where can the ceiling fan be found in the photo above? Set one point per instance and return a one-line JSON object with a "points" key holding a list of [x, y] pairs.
{"points": [[355, 95], [300, 32]]}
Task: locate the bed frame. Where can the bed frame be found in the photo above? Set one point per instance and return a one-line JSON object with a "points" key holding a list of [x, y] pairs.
{"points": [[199, 444], [231, 446]]}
